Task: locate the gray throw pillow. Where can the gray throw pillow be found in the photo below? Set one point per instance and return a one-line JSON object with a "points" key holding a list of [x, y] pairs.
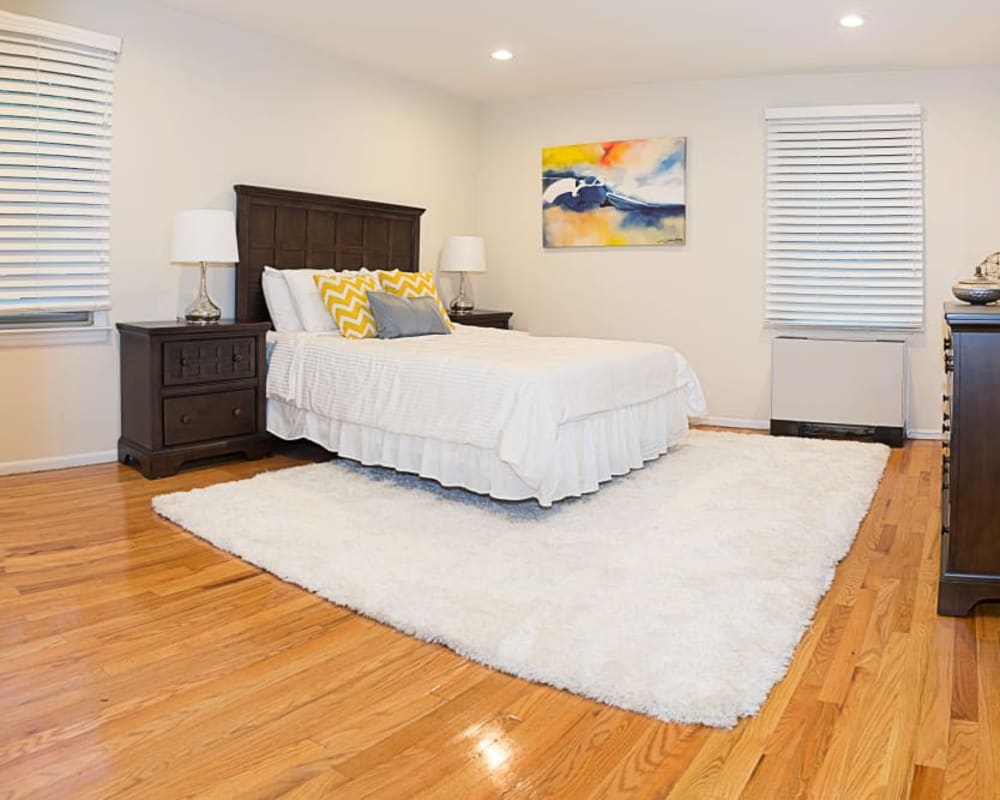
{"points": [[396, 317]]}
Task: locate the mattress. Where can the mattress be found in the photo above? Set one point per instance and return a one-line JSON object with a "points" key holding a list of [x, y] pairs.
{"points": [[498, 412]]}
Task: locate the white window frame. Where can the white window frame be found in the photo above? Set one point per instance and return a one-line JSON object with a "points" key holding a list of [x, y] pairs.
{"points": [[844, 209], [82, 47]]}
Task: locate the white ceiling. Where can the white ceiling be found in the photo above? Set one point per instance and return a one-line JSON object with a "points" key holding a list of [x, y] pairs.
{"points": [[562, 45]]}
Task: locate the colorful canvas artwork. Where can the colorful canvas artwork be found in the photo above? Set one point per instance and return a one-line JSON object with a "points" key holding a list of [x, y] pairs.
{"points": [[618, 193]]}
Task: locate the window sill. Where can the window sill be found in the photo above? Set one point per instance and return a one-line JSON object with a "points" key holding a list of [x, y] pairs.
{"points": [[24, 337]]}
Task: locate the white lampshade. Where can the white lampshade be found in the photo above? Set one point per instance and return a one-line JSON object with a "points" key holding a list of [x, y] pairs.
{"points": [[463, 254], [204, 234]]}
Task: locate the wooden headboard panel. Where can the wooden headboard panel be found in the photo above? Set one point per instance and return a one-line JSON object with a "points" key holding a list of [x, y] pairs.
{"points": [[287, 230]]}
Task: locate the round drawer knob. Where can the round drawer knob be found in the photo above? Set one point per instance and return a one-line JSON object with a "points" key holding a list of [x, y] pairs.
{"points": [[237, 358], [185, 419], [237, 412]]}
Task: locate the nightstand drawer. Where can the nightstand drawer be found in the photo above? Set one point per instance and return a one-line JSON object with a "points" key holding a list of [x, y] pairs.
{"points": [[209, 360], [491, 323], [199, 417], [482, 318]]}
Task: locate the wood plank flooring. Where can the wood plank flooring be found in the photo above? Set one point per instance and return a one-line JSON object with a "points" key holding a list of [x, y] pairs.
{"points": [[138, 661]]}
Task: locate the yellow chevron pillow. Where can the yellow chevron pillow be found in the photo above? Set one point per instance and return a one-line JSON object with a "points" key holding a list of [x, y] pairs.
{"points": [[412, 284], [346, 298]]}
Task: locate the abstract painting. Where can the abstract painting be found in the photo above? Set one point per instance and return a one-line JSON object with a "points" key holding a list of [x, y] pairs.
{"points": [[608, 194]]}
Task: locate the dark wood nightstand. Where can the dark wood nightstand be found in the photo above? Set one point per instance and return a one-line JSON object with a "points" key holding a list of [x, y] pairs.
{"points": [[483, 318], [191, 392]]}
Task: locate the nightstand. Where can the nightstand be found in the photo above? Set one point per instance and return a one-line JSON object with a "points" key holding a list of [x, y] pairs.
{"points": [[483, 318], [190, 392]]}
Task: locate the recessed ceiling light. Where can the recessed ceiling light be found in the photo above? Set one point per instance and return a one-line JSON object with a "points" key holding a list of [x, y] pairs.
{"points": [[852, 21], [502, 55]]}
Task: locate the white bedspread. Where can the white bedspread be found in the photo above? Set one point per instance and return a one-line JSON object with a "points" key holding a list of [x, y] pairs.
{"points": [[502, 390]]}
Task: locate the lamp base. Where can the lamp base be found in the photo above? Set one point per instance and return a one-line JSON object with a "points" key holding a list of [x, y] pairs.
{"points": [[202, 310], [196, 320], [462, 304]]}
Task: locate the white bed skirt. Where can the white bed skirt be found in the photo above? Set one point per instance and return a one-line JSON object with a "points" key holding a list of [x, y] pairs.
{"points": [[588, 451]]}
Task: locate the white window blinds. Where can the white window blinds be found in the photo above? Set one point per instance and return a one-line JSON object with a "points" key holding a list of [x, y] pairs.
{"points": [[845, 217], [55, 157]]}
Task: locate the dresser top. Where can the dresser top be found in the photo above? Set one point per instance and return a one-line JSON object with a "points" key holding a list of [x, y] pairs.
{"points": [[478, 312], [966, 315], [222, 327]]}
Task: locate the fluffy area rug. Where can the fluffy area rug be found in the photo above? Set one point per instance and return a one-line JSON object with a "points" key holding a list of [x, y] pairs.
{"points": [[680, 590]]}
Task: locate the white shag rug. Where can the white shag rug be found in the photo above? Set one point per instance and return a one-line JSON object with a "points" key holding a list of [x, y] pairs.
{"points": [[680, 590]]}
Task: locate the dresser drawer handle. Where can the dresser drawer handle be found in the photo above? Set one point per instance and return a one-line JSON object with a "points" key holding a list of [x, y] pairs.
{"points": [[185, 361], [237, 412], [237, 358], [185, 419]]}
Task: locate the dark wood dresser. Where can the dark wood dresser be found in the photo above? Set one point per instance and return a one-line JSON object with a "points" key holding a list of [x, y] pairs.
{"points": [[970, 467], [190, 392], [482, 318]]}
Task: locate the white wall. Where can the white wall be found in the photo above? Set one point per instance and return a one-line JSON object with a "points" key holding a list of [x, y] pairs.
{"points": [[199, 107], [706, 298]]}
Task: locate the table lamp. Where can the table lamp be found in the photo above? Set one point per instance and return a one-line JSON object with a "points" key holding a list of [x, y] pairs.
{"points": [[204, 236], [463, 254]]}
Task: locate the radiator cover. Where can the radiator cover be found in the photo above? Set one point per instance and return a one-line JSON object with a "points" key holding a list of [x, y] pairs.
{"points": [[835, 387]]}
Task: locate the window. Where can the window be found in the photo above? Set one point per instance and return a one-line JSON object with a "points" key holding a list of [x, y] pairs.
{"points": [[55, 158], [845, 217]]}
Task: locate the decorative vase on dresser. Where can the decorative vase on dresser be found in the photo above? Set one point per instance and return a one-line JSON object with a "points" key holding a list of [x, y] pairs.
{"points": [[970, 466], [191, 392]]}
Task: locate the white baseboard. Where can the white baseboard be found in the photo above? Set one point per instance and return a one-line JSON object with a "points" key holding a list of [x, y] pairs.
{"points": [[57, 462], [923, 434], [105, 456], [735, 422]]}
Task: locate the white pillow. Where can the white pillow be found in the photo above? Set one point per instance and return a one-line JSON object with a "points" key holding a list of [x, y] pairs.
{"points": [[278, 298], [305, 296]]}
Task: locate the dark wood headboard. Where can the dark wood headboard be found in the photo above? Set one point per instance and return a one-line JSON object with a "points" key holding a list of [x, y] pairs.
{"points": [[287, 230]]}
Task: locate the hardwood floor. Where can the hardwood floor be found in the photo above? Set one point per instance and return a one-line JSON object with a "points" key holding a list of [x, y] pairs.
{"points": [[138, 661]]}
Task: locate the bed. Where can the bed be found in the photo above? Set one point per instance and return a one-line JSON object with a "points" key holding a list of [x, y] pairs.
{"points": [[496, 412]]}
